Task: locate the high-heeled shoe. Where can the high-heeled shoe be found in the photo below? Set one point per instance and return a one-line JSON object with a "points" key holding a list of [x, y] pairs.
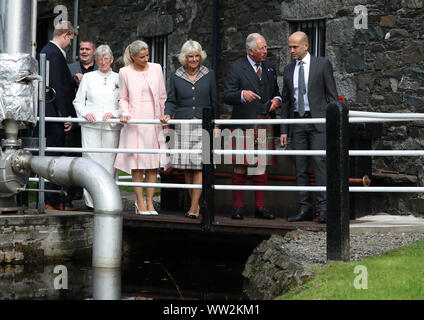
{"points": [[152, 212], [192, 215], [144, 213]]}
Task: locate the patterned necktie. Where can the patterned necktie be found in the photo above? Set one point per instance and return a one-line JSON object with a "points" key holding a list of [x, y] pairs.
{"points": [[302, 90], [259, 71]]}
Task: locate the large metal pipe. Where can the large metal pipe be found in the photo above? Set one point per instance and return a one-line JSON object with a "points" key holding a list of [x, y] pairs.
{"points": [[106, 284], [107, 242], [2, 6], [34, 28], [17, 26]]}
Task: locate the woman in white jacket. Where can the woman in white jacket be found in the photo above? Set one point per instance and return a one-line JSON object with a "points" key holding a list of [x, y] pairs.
{"points": [[97, 99]]}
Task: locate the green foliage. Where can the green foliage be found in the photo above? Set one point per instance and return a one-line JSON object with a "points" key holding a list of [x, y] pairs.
{"points": [[32, 196]]}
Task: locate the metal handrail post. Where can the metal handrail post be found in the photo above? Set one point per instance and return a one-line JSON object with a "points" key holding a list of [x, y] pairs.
{"points": [[42, 127], [337, 130], [207, 207]]}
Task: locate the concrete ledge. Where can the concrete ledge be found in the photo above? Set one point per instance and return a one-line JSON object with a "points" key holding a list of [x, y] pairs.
{"points": [[388, 223]]}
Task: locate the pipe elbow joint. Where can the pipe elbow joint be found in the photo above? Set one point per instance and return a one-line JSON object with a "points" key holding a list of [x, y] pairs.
{"points": [[82, 172]]}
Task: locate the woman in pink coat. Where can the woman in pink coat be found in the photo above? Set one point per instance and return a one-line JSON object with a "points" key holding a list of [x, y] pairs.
{"points": [[142, 96]]}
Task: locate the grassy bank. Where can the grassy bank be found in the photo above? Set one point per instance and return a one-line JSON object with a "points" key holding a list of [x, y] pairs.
{"points": [[396, 275]]}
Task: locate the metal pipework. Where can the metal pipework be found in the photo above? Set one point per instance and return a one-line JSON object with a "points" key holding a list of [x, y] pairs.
{"points": [[11, 129], [65, 171], [12, 178], [18, 67], [106, 283], [17, 26], [34, 5]]}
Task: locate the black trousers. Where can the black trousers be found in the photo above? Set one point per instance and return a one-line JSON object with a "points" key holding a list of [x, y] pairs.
{"points": [[73, 140], [307, 137], [56, 137]]}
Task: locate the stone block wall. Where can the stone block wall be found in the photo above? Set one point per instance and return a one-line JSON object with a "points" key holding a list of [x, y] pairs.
{"points": [[118, 23], [34, 238]]}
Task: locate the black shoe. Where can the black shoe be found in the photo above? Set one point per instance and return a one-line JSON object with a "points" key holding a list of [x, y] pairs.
{"points": [[87, 209], [302, 216], [263, 213], [78, 196], [322, 217], [237, 213]]}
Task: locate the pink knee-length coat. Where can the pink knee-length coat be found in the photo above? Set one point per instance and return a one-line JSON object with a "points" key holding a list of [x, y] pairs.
{"points": [[142, 96]]}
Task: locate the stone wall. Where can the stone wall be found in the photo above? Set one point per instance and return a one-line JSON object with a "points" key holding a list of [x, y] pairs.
{"points": [[270, 271], [379, 68], [118, 23], [34, 238]]}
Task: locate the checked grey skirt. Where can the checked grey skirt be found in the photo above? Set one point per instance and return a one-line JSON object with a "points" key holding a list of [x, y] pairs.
{"points": [[187, 136]]}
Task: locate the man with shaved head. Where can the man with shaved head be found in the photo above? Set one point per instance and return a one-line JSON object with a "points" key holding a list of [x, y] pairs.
{"points": [[308, 86]]}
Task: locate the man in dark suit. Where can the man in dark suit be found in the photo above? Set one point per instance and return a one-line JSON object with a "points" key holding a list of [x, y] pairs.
{"points": [[251, 87], [308, 86], [85, 61], [61, 81]]}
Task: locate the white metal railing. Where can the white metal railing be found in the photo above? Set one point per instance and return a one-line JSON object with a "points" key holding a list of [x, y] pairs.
{"points": [[118, 150], [354, 117], [352, 153], [131, 121]]}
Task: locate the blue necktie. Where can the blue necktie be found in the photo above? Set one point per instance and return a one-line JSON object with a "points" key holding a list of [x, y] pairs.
{"points": [[302, 90]]}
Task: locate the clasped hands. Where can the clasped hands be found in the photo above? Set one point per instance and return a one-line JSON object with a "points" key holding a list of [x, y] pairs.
{"points": [[92, 118]]}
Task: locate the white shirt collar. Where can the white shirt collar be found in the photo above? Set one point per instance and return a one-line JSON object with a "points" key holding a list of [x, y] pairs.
{"points": [[63, 51], [306, 59], [252, 63]]}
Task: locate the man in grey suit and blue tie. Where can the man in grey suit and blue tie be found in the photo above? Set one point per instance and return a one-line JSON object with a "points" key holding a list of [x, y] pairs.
{"points": [[308, 86]]}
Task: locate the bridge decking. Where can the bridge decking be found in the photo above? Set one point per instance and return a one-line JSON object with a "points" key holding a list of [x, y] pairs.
{"points": [[222, 223]]}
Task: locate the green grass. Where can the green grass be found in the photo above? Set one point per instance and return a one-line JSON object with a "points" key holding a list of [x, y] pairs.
{"points": [[396, 275], [122, 173]]}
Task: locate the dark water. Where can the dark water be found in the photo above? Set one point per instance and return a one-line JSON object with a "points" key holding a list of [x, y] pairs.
{"points": [[159, 265]]}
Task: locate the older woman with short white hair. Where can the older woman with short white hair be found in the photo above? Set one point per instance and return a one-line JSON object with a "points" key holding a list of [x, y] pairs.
{"points": [[97, 100], [192, 88]]}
